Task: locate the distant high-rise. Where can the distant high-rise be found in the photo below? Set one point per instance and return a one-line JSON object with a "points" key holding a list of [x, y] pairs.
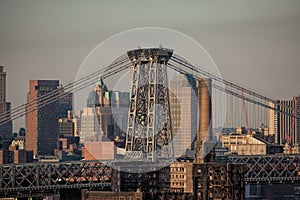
{"points": [[90, 127], [286, 127], [103, 108], [111, 109], [119, 103], [297, 121], [2, 90], [42, 118], [65, 102], [183, 99], [273, 122], [5, 129], [67, 126]]}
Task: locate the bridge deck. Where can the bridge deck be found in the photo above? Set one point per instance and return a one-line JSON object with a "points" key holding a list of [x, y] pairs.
{"points": [[31, 178]]}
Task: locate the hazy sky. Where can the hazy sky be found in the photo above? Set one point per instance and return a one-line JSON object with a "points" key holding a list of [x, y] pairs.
{"points": [[255, 43]]}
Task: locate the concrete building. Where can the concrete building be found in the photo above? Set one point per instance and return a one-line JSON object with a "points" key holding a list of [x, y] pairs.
{"points": [[286, 124], [218, 181], [65, 102], [273, 122], [111, 110], [97, 101], [22, 156], [99, 151], [285, 127], [181, 177], [89, 125], [42, 119], [19, 142], [183, 100], [119, 103], [297, 121], [6, 156], [17, 153], [241, 130], [134, 176], [68, 149], [67, 126], [68, 141], [287, 149], [77, 121], [5, 129], [243, 144]]}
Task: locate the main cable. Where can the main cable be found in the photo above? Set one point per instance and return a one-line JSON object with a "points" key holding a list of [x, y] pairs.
{"points": [[61, 92], [68, 86], [176, 68], [228, 83]]}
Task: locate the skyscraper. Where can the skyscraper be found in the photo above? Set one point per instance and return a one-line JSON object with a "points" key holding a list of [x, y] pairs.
{"points": [[119, 103], [111, 109], [90, 127], [67, 126], [183, 111], [286, 127], [5, 129], [273, 122], [297, 121], [42, 118]]}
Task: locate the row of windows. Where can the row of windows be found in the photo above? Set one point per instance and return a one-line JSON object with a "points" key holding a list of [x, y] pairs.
{"points": [[177, 169], [177, 176], [181, 183]]}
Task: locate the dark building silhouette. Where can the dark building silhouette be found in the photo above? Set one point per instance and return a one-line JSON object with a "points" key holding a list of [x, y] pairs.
{"points": [[42, 119], [5, 120], [6, 128]]}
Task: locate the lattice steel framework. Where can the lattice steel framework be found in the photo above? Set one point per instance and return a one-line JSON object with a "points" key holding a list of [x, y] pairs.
{"points": [[28, 179], [149, 133], [270, 169]]}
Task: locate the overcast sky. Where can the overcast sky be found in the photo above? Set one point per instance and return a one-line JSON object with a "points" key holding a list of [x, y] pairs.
{"points": [[255, 43]]}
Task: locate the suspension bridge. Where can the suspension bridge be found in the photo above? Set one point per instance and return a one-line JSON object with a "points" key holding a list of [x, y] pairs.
{"points": [[149, 86]]}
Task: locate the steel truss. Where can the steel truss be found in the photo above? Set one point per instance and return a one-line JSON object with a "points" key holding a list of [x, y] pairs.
{"points": [[28, 179], [149, 133], [270, 169]]}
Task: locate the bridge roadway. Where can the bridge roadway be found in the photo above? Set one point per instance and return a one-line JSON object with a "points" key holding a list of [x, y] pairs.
{"points": [[269, 169], [30, 179]]}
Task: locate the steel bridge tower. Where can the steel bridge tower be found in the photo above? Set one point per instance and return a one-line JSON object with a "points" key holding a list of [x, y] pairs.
{"points": [[149, 132]]}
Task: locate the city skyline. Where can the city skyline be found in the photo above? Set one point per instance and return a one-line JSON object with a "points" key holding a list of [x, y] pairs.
{"points": [[168, 127], [148, 91], [255, 43]]}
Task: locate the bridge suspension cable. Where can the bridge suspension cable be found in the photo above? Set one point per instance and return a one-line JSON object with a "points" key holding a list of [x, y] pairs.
{"points": [[116, 67], [234, 90], [61, 92]]}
